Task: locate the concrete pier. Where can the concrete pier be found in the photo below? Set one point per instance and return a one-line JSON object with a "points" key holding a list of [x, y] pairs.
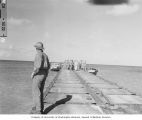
{"points": [[119, 99], [69, 96], [79, 92]]}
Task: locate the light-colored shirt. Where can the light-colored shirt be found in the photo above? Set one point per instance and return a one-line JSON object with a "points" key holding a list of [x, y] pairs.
{"points": [[41, 62]]}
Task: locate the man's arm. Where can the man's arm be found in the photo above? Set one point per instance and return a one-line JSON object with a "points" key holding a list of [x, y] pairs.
{"points": [[48, 63], [37, 64]]}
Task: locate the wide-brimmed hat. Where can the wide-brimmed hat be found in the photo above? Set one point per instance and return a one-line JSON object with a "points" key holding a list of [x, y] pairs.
{"points": [[39, 45]]}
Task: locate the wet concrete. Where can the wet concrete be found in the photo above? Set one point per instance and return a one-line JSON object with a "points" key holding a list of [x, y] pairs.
{"points": [[125, 99], [72, 109], [75, 98], [115, 91], [69, 96], [69, 90], [108, 86], [73, 85]]}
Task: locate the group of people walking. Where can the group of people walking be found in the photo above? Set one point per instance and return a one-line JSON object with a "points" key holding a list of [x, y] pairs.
{"points": [[75, 65]]}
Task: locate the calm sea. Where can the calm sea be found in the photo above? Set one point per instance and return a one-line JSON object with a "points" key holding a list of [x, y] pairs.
{"points": [[15, 86]]}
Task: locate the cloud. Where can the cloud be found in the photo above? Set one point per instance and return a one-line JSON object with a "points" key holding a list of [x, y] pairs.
{"points": [[5, 51], [2, 40], [81, 1], [123, 9], [18, 22], [46, 35], [10, 51], [3, 1], [11, 47], [103, 2], [4, 54], [107, 2]]}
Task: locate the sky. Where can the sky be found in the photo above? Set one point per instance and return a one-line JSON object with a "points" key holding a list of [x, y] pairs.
{"points": [[74, 29]]}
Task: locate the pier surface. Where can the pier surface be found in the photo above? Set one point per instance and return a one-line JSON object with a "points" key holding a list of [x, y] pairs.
{"points": [[79, 92]]}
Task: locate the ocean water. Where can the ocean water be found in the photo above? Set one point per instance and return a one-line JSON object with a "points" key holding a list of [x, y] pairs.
{"points": [[15, 87]]}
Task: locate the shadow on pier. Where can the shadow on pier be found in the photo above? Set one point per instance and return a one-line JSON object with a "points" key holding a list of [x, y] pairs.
{"points": [[59, 102]]}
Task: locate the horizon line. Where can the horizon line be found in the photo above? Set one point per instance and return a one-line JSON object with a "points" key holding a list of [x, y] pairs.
{"points": [[87, 63]]}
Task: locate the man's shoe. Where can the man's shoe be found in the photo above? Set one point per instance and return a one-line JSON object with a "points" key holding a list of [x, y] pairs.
{"points": [[33, 110], [37, 112]]}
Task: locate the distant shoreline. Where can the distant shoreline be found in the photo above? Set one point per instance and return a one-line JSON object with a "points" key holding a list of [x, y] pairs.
{"points": [[16, 61], [115, 65]]}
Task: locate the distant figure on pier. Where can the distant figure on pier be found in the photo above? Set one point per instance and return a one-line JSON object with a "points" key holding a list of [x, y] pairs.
{"points": [[39, 75], [83, 65], [76, 65], [71, 65]]}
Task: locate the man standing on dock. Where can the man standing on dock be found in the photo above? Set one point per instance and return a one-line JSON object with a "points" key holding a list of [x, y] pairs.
{"points": [[39, 75]]}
